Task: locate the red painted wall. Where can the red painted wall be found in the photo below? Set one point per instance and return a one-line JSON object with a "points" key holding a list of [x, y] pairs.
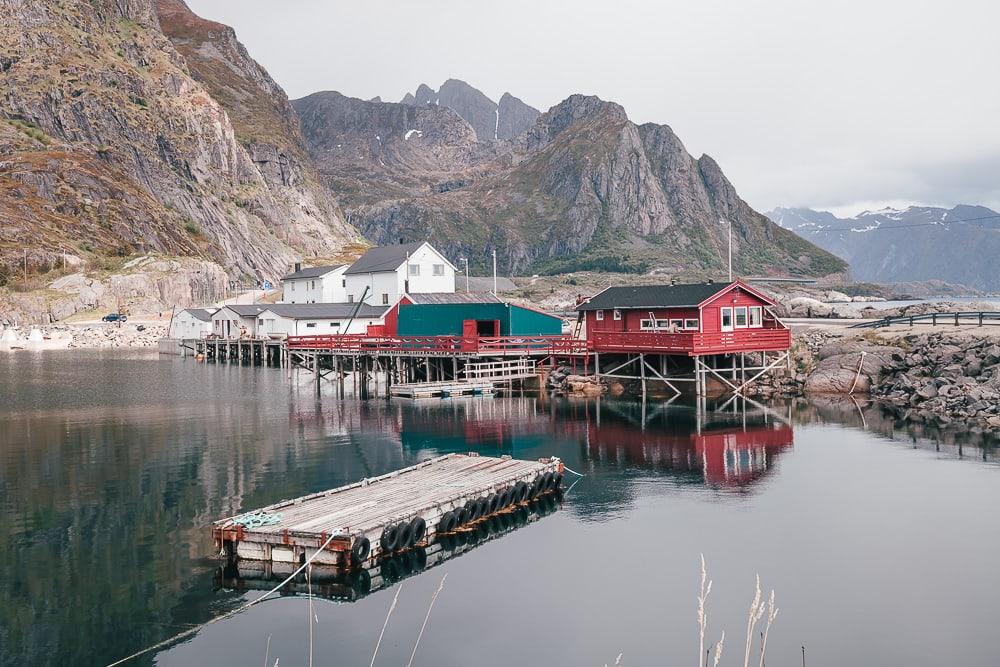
{"points": [[710, 317], [391, 317]]}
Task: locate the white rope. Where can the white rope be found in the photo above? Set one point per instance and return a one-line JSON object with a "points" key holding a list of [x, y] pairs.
{"points": [[188, 633], [567, 469]]}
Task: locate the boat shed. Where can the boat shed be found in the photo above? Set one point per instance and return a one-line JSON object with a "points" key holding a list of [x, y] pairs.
{"points": [[699, 307], [467, 314], [191, 323], [318, 319]]}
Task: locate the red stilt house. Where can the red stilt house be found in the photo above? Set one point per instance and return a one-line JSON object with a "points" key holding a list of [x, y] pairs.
{"points": [[693, 319]]}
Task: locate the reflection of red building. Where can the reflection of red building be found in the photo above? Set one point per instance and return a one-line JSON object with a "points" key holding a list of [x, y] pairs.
{"points": [[729, 456]]}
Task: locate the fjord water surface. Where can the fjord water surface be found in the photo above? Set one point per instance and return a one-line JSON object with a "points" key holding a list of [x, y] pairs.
{"points": [[881, 546]]}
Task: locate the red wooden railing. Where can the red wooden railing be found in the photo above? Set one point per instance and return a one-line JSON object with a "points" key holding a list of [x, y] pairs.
{"points": [[745, 340], [499, 345], [741, 340]]}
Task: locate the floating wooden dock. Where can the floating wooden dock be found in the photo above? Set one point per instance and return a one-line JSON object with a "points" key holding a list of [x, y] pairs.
{"points": [[381, 516], [341, 584], [443, 389]]}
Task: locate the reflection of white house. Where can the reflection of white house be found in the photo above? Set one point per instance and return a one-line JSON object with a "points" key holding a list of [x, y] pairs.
{"points": [[318, 284], [236, 320], [391, 271], [316, 319], [191, 323]]}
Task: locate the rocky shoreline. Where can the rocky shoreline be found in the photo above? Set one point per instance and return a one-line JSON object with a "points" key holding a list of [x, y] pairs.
{"points": [[936, 377], [83, 336]]}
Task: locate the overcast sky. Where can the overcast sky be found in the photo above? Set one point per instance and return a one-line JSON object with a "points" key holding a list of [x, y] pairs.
{"points": [[836, 104]]}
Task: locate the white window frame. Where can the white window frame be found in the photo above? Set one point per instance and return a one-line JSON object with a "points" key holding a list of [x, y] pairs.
{"points": [[385, 298], [616, 314], [690, 324], [646, 325], [350, 298], [758, 321], [679, 323], [736, 317], [599, 316], [310, 325], [438, 270], [662, 324], [413, 270], [722, 318]]}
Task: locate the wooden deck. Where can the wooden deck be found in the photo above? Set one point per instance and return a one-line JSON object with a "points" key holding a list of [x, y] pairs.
{"points": [[350, 584], [692, 343], [369, 520], [442, 389]]}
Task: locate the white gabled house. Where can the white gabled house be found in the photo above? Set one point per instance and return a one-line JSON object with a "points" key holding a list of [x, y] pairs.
{"points": [[191, 323], [316, 319], [317, 284], [389, 272]]}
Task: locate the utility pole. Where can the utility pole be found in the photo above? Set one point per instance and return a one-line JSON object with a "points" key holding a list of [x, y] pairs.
{"points": [[730, 223], [26, 267], [494, 273], [466, 260]]}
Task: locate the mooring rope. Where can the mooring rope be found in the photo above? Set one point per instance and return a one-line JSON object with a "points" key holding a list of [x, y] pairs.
{"points": [[191, 631], [567, 469]]}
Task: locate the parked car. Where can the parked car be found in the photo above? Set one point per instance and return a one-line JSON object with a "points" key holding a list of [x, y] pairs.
{"points": [[115, 317]]}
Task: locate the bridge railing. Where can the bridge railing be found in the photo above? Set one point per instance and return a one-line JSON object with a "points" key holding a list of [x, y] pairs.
{"points": [[956, 318]]}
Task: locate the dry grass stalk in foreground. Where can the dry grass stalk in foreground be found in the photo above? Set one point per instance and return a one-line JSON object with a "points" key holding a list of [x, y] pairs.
{"points": [[756, 612]]}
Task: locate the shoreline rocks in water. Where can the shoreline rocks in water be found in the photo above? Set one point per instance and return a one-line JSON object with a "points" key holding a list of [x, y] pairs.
{"points": [[92, 336], [934, 377]]}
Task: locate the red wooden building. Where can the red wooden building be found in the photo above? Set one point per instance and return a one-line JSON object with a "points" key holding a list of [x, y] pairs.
{"points": [[716, 324]]}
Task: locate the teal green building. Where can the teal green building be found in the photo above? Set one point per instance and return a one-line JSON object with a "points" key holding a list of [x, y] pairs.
{"points": [[464, 314]]}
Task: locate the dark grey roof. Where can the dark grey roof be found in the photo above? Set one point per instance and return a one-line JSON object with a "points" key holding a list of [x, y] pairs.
{"points": [[325, 311], [312, 272], [485, 284], [385, 258], [653, 296], [202, 314], [453, 297]]}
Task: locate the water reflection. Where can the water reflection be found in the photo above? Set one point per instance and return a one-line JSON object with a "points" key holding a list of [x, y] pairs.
{"points": [[112, 467]]}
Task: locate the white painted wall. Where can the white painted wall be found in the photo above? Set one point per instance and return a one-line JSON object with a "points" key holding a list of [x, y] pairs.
{"points": [[425, 258], [186, 325], [386, 287], [328, 288], [275, 324], [227, 323]]}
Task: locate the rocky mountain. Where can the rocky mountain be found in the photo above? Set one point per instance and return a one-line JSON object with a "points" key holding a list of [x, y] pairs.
{"points": [[581, 188], [490, 120], [957, 245], [115, 142]]}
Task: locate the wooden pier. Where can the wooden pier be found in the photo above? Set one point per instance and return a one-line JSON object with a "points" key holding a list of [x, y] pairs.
{"points": [[378, 517], [341, 584], [443, 389]]}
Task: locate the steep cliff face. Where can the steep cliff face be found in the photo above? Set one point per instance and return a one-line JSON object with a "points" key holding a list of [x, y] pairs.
{"points": [[490, 120], [582, 188], [110, 147]]}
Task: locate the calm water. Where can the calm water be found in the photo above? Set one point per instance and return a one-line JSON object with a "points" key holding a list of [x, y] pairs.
{"points": [[882, 545]]}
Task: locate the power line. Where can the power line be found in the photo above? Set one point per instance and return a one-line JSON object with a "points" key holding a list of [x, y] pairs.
{"points": [[887, 227]]}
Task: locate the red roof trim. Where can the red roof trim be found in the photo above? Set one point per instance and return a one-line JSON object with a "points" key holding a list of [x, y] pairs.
{"points": [[737, 284]]}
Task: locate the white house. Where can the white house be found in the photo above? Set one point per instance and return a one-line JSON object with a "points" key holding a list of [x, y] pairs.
{"points": [[317, 284], [391, 271], [315, 319], [191, 323], [234, 321]]}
